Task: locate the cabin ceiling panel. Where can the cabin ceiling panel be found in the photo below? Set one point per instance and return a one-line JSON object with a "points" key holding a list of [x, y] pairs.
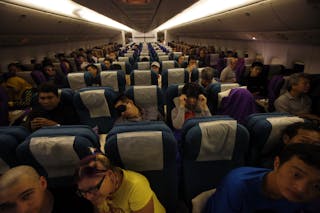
{"points": [[152, 12], [26, 23]]}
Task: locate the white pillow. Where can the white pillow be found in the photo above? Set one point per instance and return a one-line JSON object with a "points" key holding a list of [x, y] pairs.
{"points": [[199, 202]]}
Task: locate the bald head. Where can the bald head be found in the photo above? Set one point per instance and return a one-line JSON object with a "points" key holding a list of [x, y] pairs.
{"points": [[23, 190], [18, 174]]}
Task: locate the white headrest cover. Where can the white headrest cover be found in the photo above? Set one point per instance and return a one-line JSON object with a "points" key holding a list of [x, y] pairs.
{"points": [[110, 79], [176, 76], [141, 151], [55, 154], [278, 124], [76, 81], [225, 87], [218, 140], [142, 77], [96, 103]]}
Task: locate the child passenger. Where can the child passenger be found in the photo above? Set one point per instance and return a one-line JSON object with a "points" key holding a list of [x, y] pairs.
{"points": [[294, 182], [191, 103], [112, 189]]}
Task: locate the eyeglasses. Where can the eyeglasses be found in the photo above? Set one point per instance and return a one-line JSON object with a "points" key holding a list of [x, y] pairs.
{"points": [[94, 189]]}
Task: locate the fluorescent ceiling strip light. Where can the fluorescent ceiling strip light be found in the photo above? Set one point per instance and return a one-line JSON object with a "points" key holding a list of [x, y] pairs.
{"points": [[71, 9], [204, 8]]}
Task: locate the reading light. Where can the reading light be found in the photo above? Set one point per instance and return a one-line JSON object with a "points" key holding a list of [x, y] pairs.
{"points": [[203, 8], [70, 9]]}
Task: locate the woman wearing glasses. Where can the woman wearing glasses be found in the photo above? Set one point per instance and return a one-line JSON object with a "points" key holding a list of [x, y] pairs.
{"points": [[112, 189]]}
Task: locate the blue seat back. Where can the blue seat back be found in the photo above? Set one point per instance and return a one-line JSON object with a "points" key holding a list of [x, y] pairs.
{"points": [[212, 146], [151, 150], [143, 78], [10, 138], [114, 79], [172, 92], [265, 132], [149, 98], [95, 107]]}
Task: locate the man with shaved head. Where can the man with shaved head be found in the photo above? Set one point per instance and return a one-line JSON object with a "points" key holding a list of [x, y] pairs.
{"points": [[22, 189]]}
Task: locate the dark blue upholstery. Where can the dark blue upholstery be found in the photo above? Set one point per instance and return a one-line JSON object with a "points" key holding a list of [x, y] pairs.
{"points": [[4, 111], [147, 97], [55, 152], [103, 121], [199, 175], [143, 77], [260, 130], [117, 82], [158, 139], [172, 92], [10, 138]]}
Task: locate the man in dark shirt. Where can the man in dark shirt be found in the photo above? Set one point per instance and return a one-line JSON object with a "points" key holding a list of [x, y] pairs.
{"points": [[254, 80], [51, 111]]}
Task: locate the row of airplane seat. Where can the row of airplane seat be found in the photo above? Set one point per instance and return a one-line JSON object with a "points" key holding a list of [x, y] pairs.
{"points": [[210, 148]]}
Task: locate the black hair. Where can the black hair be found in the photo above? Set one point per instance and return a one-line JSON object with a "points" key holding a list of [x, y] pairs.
{"points": [[48, 87], [308, 153], [92, 65], [192, 57], [292, 129], [256, 64], [191, 90]]}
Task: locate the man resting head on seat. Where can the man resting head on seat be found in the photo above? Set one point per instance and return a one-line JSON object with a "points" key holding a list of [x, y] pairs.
{"points": [[22, 189], [128, 111], [300, 132], [50, 111], [112, 189], [191, 103], [294, 181]]}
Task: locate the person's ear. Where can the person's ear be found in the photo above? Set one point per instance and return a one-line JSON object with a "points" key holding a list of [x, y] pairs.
{"points": [[276, 163], [43, 182], [285, 139]]}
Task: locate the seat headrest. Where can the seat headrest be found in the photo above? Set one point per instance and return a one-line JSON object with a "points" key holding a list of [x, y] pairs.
{"points": [[217, 140], [135, 147], [96, 103], [76, 80], [55, 154], [110, 79]]}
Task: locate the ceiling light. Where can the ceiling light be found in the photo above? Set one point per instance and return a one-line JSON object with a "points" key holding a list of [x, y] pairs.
{"points": [[204, 8], [254, 38], [70, 9]]}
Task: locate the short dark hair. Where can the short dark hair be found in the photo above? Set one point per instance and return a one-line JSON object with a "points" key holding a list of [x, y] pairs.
{"points": [[257, 64], [48, 87], [308, 153], [122, 98], [292, 129], [91, 65], [192, 57], [191, 90], [207, 74]]}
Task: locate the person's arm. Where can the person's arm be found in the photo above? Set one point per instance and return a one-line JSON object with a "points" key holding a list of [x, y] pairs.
{"points": [[39, 122], [203, 106], [223, 75], [281, 106]]}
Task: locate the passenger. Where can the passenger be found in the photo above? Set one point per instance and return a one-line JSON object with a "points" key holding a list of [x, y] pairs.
{"points": [[128, 111], [22, 189], [66, 66], [203, 60], [112, 189], [13, 68], [20, 93], [81, 62], [299, 132], [228, 74], [192, 65], [292, 183], [181, 63], [254, 80], [106, 65], [207, 75], [54, 76], [144, 59], [113, 56], [92, 75], [296, 101], [191, 103], [155, 67], [51, 111]]}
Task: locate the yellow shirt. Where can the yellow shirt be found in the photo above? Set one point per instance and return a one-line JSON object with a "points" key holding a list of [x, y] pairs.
{"points": [[134, 193]]}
